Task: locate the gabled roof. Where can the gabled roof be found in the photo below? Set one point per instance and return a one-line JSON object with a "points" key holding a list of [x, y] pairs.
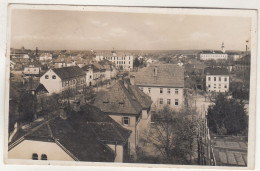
{"points": [[122, 100], [69, 72], [216, 71], [82, 135], [170, 75]]}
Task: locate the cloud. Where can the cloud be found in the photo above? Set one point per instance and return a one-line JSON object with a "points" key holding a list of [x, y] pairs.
{"points": [[99, 23], [199, 35], [149, 23], [117, 32]]}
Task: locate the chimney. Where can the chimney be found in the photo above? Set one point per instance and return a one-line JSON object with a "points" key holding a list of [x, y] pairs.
{"points": [[132, 80], [155, 71]]}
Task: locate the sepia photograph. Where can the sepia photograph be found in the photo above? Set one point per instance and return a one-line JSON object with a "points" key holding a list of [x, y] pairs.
{"points": [[141, 86]]}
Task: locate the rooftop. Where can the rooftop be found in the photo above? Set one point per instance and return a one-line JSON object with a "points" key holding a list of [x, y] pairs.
{"points": [[123, 100], [69, 72], [230, 151], [216, 71], [83, 134], [170, 75]]}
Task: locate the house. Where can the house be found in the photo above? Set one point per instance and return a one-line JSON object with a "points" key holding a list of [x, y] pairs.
{"points": [[86, 135], [164, 83], [63, 61], [234, 56], [57, 80], [217, 79], [36, 88], [243, 64], [122, 60], [32, 68], [129, 107], [110, 70], [45, 57]]}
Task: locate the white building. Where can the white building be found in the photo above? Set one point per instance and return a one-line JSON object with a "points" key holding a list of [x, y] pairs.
{"points": [[214, 55], [57, 80], [164, 83], [45, 57], [217, 79], [121, 60]]}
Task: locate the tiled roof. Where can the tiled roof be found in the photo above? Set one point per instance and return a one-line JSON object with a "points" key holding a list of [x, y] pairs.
{"points": [[167, 75], [212, 52], [216, 71], [69, 72], [83, 134], [122, 100]]}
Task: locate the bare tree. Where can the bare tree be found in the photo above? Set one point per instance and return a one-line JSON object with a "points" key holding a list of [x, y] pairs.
{"points": [[174, 135]]}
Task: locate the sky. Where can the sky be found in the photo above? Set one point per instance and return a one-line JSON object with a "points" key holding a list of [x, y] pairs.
{"points": [[85, 30]]}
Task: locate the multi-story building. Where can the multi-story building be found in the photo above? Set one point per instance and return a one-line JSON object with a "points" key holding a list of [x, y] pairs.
{"points": [[164, 83], [57, 80], [121, 60], [217, 79], [87, 135], [214, 55], [129, 107]]}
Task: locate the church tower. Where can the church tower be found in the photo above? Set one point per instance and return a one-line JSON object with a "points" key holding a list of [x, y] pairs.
{"points": [[223, 47]]}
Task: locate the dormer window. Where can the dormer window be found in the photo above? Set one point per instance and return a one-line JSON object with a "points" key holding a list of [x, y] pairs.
{"points": [[44, 157], [35, 156]]}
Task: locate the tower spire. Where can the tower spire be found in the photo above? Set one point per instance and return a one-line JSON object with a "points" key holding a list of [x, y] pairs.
{"points": [[223, 47]]}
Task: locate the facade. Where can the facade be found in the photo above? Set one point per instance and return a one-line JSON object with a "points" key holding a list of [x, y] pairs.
{"points": [[129, 107], [214, 55], [164, 83], [57, 80], [217, 80], [121, 60], [74, 136]]}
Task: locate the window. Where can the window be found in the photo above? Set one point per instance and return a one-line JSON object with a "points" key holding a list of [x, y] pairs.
{"points": [[54, 77], [168, 101], [176, 102], [161, 90], [149, 90], [126, 120], [129, 62], [215, 78], [209, 85], [214, 85], [142, 89], [161, 101], [225, 78], [209, 78], [90, 76], [46, 76], [44, 157], [219, 78], [225, 86], [35, 156], [169, 91], [176, 91]]}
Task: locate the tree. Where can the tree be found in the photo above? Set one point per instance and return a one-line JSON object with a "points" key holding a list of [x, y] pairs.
{"points": [[174, 134], [88, 94], [227, 117], [27, 108], [136, 63]]}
